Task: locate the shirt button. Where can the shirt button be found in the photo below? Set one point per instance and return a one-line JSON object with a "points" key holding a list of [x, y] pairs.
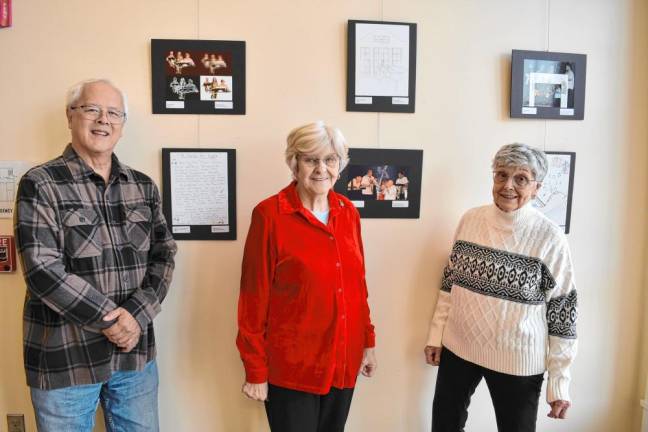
{"points": [[339, 290], [343, 317], [332, 238], [125, 278], [337, 264]]}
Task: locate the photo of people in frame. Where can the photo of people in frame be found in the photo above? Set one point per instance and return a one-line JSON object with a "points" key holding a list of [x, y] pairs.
{"points": [[192, 62], [377, 182], [216, 88], [182, 88]]}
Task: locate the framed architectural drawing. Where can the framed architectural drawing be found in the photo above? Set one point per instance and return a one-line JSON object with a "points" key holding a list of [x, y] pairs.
{"points": [[198, 76], [383, 183], [381, 66], [548, 85], [199, 193], [554, 198]]}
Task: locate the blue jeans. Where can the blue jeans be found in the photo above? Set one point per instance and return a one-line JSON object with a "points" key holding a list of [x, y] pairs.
{"points": [[128, 398]]}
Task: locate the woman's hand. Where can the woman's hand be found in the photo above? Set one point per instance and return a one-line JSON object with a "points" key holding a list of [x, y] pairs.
{"points": [[433, 355], [369, 364], [257, 392], [559, 409]]}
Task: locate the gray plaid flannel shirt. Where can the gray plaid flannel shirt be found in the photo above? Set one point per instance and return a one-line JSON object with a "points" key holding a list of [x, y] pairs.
{"points": [[87, 248]]}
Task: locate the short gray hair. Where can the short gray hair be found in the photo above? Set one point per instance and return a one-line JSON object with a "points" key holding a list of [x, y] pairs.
{"points": [[74, 93], [522, 155], [313, 137]]}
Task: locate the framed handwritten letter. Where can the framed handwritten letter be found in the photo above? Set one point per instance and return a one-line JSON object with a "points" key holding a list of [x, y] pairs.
{"points": [[199, 193]]}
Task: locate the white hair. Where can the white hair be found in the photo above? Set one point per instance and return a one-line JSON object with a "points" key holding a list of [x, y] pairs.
{"points": [[522, 155], [74, 93], [312, 138]]}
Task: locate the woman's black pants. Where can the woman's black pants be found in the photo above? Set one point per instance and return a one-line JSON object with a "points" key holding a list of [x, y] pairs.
{"points": [[297, 411], [515, 398]]}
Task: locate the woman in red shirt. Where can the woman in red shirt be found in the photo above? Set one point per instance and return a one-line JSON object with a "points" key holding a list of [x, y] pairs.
{"points": [[304, 327]]}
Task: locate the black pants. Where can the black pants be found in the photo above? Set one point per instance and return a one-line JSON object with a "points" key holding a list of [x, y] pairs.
{"points": [[297, 411], [515, 398]]}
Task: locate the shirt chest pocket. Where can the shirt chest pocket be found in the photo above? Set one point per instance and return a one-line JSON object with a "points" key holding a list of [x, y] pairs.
{"points": [[82, 239], [138, 227]]}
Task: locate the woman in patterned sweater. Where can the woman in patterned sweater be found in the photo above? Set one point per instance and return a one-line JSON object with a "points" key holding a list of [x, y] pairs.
{"points": [[506, 311]]}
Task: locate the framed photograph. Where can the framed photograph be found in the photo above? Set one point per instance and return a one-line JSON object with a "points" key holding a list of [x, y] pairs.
{"points": [[548, 85], [5, 13], [554, 198], [381, 66], [198, 76], [199, 193], [383, 183]]}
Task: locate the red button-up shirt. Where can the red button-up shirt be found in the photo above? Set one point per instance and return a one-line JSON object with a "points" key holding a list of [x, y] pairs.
{"points": [[303, 314]]}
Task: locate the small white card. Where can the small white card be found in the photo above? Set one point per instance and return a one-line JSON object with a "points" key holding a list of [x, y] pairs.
{"points": [[529, 110], [181, 230], [400, 204], [567, 111], [224, 105], [400, 100], [220, 228], [358, 204], [364, 100], [175, 104]]}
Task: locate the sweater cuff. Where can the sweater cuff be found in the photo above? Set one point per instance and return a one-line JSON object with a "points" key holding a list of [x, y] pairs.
{"points": [[370, 340], [256, 376], [558, 389], [435, 336]]}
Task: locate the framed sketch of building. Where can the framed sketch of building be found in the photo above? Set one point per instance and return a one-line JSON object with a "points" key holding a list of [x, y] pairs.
{"points": [[10, 174], [381, 66], [383, 183], [548, 85], [199, 193], [554, 198], [198, 76]]}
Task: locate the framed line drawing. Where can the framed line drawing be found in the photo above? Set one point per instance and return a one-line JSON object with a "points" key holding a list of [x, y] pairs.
{"points": [[381, 66], [554, 198], [198, 76], [548, 85], [199, 193], [383, 183]]}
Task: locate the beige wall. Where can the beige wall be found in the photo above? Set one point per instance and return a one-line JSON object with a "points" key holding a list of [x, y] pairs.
{"points": [[461, 119]]}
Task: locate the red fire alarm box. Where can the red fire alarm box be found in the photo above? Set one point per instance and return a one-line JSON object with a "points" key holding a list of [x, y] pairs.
{"points": [[7, 254], [5, 13]]}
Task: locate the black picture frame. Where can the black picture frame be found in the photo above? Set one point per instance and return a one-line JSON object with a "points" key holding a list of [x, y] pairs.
{"points": [[190, 167], [401, 97], [387, 164], [548, 85], [554, 198], [198, 76]]}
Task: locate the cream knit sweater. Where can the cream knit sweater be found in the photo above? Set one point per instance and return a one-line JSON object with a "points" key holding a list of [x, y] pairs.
{"points": [[508, 300]]}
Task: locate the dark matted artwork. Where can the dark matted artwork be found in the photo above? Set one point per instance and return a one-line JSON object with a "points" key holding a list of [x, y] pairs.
{"points": [[554, 198], [383, 183], [199, 193], [381, 66], [548, 85], [198, 76]]}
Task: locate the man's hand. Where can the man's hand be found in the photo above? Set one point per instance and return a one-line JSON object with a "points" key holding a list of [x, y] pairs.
{"points": [[257, 392], [369, 363], [433, 355], [125, 332], [559, 409]]}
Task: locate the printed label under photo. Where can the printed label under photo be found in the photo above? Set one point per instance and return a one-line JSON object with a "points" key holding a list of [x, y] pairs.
{"points": [[181, 230], [567, 111], [358, 204], [400, 204], [223, 105], [363, 100], [400, 101], [175, 104], [220, 228], [529, 110]]}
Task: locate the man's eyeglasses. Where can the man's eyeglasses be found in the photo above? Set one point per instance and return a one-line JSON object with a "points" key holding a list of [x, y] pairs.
{"points": [[93, 112], [519, 180], [330, 161]]}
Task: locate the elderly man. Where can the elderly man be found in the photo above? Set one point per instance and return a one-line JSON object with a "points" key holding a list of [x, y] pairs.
{"points": [[98, 259]]}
